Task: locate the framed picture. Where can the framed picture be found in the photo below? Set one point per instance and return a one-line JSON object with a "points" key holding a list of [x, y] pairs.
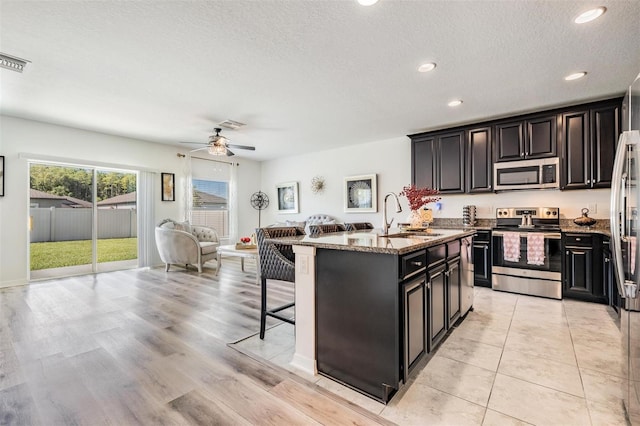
{"points": [[1, 175], [360, 194], [287, 197], [168, 187]]}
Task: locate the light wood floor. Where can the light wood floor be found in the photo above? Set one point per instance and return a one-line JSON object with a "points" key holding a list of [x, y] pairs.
{"points": [[149, 347]]}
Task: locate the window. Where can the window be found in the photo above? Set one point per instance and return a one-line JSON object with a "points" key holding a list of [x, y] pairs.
{"points": [[211, 204]]}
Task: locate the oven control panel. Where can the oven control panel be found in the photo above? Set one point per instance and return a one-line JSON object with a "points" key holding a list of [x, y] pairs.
{"points": [[534, 212]]}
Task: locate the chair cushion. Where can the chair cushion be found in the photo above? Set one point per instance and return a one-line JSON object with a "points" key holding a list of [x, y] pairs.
{"points": [[208, 247]]}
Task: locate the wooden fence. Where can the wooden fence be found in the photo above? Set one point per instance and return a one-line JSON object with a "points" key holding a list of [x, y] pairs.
{"points": [[52, 224]]}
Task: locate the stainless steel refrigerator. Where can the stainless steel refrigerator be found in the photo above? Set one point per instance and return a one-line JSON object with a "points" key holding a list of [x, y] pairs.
{"points": [[625, 200]]}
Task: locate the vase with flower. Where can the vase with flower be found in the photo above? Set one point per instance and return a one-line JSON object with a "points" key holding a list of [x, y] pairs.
{"points": [[418, 198]]}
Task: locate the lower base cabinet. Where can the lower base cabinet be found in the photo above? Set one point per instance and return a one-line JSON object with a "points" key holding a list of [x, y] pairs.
{"points": [[437, 305], [583, 277], [453, 291], [377, 315], [415, 324]]}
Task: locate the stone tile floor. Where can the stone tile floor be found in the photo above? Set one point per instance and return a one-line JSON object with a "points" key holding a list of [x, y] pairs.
{"points": [[514, 360]]}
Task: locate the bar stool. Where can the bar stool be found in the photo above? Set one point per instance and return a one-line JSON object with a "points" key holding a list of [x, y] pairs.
{"points": [[315, 230], [277, 262], [356, 226]]}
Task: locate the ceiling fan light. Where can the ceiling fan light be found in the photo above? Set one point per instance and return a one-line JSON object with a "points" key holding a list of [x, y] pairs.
{"points": [[217, 149]]}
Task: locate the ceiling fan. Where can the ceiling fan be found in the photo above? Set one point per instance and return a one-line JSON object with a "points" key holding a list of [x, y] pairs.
{"points": [[219, 145]]}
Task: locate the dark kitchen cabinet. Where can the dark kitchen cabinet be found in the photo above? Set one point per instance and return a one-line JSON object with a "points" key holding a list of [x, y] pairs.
{"points": [[438, 162], [415, 322], [605, 130], [480, 160], [535, 137], [482, 258], [577, 156], [461, 159], [423, 163], [589, 139], [582, 267], [437, 305], [453, 290]]}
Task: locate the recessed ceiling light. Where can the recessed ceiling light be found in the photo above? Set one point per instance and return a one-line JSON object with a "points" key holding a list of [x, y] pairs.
{"points": [[575, 75], [367, 2], [455, 103], [426, 67], [590, 15]]}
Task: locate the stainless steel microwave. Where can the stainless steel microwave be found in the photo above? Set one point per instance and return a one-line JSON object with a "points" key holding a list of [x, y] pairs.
{"points": [[543, 173]]}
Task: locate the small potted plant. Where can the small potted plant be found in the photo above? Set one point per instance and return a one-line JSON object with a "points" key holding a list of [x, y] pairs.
{"points": [[418, 198]]}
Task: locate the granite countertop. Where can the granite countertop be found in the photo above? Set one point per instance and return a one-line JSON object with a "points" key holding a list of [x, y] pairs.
{"points": [[586, 230], [370, 241]]}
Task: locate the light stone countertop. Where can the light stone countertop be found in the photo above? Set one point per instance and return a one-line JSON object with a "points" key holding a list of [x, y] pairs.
{"points": [[398, 242]]}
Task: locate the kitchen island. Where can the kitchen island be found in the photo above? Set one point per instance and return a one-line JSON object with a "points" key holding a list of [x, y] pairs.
{"points": [[369, 307]]}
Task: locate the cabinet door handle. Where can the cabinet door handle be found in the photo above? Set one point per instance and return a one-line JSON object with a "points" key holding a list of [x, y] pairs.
{"points": [[416, 263], [522, 155], [606, 260], [567, 252], [588, 180]]}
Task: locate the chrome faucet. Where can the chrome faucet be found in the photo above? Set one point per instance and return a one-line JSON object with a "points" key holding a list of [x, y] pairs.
{"points": [[386, 225]]}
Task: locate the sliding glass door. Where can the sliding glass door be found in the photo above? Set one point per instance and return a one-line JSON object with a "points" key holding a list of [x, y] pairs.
{"points": [[82, 220]]}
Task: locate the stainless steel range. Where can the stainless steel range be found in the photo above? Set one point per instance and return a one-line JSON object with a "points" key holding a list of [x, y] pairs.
{"points": [[527, 251]]}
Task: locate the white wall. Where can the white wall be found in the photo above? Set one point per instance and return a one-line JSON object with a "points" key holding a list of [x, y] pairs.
{"points": [[31, 137], [391, 161]]}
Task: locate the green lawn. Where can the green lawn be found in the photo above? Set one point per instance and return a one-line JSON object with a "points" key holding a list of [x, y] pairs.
{"points": [[71, 253]]}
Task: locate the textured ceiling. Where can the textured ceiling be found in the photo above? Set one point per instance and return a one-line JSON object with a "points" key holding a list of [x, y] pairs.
{"points": [[305, 75]]}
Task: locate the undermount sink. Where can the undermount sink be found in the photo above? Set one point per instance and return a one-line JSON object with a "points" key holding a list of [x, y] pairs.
{"points": [[414, 235]]}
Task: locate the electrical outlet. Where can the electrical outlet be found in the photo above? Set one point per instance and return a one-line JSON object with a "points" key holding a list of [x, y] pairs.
{"points": [[593, 208]]}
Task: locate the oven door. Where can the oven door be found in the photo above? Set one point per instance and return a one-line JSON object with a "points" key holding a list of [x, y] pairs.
{"points": [[550, 268]]}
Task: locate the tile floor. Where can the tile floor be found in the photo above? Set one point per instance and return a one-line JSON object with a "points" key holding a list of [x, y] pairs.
{"points": [[514, 360]]}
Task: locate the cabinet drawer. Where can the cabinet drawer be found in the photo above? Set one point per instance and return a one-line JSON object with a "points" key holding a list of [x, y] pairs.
{"points": [[578, 240], [482, 236], [436, 255], [413, 263], [453, 249]]}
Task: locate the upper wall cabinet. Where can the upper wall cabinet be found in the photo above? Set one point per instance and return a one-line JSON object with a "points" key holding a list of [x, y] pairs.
{"points": [[438, 161], [525, 139], [589, 138], [479, 160], [584, 136]]}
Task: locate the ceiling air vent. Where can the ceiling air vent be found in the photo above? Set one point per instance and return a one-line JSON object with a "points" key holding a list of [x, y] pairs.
{"points": [[230, 124], [12, 63]]}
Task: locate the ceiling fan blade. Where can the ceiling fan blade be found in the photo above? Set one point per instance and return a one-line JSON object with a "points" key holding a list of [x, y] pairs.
{"points": [[199, 149], [229, 153], [197, 143], [250, 148]]}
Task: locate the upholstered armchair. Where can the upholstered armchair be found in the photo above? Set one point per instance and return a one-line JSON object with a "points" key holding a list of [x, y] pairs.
{"points": [[277, 262], [183, 244]]}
